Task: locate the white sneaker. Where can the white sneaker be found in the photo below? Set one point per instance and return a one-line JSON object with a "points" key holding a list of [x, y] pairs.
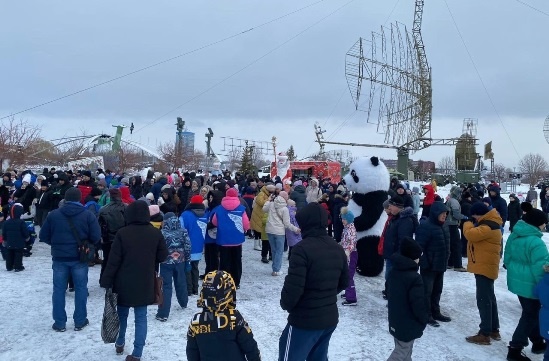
{"points": [[276, 273]]}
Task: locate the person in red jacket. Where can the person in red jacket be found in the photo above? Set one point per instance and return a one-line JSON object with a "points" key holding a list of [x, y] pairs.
{"points": [[428, 200]]}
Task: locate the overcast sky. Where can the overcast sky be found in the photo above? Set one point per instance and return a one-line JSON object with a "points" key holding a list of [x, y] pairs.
{"points": [[50, 49]]}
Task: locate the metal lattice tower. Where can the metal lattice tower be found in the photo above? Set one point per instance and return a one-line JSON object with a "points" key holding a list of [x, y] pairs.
{"points": [[394, 66]]}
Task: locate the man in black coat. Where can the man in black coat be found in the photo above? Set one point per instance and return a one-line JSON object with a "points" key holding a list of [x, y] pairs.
{"points": [[407, 306], [111, 219], [136, 252], [434, 238], [317, 273]]}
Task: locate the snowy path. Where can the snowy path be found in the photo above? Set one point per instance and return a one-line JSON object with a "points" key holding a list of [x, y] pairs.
{"points": [[361, 335]]}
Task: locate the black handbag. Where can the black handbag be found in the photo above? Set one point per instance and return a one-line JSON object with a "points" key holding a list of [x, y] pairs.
{"points": [[86, 249]]}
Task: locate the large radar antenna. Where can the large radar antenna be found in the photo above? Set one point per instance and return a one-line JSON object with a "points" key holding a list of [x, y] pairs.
{"points": [[391, 67], [546, 129]]}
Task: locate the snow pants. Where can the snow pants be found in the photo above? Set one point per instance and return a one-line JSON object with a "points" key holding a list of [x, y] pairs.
{"points": [[192, 279], [14, 258], [402, 352], [230, 260], [433, 282], [297, 344], [350, 292], [528, 326]]}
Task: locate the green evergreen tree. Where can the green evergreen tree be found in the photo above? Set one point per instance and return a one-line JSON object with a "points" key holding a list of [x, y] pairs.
{"points": [[291, 154]]}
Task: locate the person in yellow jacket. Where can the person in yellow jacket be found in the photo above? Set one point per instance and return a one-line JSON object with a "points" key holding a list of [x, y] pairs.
{"points": [[257, 216], [483, 250]]}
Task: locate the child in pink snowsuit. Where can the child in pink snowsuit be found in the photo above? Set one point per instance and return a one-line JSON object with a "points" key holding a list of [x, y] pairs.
{"points": [[348, 242]]}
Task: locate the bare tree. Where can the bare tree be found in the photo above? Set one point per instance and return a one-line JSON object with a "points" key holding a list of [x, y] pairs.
{"points": [[446, 165], [234, 158], [533, 167], [16, 137], [168, 152], [500, 172]]}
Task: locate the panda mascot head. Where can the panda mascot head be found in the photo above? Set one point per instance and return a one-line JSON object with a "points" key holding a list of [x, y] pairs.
{"points": [[367, 175], [369, 180]]}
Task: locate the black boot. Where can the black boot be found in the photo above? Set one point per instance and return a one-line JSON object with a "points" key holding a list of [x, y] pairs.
{"points": [[516, 354], [442, 318], [538, 348]]}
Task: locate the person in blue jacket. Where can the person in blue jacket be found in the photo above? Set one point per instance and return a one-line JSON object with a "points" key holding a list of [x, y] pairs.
{"points": [[195, 220], [15, 234], [57, 232]]}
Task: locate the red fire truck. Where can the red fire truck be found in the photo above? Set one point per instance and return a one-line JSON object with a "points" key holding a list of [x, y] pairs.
{"points": [[316, 169]]}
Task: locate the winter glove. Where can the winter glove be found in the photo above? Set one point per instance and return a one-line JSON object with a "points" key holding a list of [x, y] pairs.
{"points": [[187, 267]]}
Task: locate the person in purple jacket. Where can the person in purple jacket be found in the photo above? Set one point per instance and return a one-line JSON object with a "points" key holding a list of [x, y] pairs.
{"points": [[292, 237]]}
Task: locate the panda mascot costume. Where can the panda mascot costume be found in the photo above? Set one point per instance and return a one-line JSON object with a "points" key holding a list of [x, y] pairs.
{"points": [[368, 179]]}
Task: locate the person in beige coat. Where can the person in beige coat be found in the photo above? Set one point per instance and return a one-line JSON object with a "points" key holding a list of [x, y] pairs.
{"points": [[278, 221], [314, 193]]}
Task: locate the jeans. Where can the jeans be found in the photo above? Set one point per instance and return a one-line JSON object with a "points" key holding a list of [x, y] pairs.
{"points": [[79, 272], [140, 328], [528, 326], [297, 344], [350, 292], [277, 248], [455, 247], [487, 305], [192, 278], [230, 260], [433, 282], [402, 352], [173, 273]]}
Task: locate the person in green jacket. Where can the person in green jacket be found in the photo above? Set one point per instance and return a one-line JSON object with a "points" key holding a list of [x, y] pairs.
{"points": [[525, 256]]}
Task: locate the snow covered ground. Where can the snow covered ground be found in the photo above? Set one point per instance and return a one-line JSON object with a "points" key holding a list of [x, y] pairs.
{"points": [[26, 334]]}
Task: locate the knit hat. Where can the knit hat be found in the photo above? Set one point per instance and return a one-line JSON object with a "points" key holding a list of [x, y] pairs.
{"points": [[95, 192], [165, 188], [397, 201], [153, 210], [167, 215], [479, 209], [487, 200], [410, 248], [278, 186], [284, 195], [298, 183], [115, 193], [102, 183], [101, 176], [231, 192], [249, 190], [150, 196], [44, 183], [196, 200], [386, 204], [73, 195], [270, 187], [535, 217], [347, 215], [87, 173], [125, 180], [27, 178], [526, 207]]}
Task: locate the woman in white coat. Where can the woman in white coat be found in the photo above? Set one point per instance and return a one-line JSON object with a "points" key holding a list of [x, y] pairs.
{"points": [[277, 221]]}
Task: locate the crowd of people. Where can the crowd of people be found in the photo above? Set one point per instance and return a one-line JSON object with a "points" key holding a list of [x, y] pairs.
{"points": [[164, 224]]}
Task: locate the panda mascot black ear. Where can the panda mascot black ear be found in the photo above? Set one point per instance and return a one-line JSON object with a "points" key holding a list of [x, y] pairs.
{"points": [[375, 161]]}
